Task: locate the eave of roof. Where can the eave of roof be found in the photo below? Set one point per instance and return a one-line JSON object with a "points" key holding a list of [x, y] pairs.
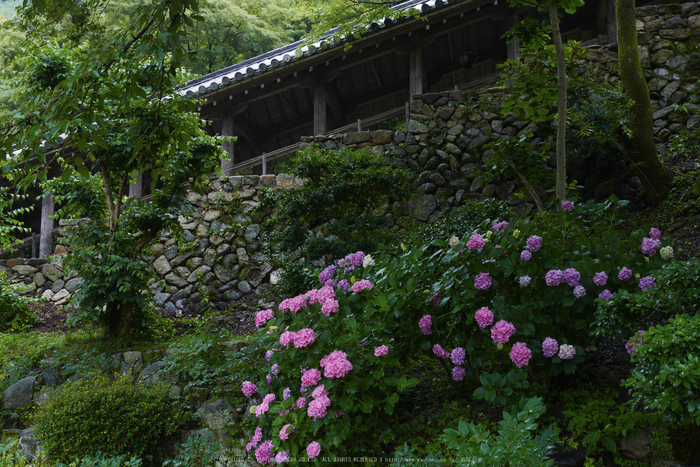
{"points": [[288, 54]]}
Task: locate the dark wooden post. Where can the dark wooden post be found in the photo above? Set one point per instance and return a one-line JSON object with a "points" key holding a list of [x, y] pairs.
{"points": [[227, 130], [512, 47], [47, 212], [415, 70], [136, 188], [319, 109]]}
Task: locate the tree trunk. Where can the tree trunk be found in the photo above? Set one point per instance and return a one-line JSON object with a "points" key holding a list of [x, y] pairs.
{"points": [[644, 157], [561, 120]]}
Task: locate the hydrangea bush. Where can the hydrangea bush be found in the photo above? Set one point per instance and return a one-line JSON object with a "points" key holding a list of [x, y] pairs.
{"points": [[335, 371]]}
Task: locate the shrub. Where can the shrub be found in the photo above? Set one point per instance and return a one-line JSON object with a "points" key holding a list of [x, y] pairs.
{"points": [[116, 417], [14, 307], [666, 376]]}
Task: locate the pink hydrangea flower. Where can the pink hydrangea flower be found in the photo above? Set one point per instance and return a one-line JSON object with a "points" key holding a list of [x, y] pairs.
{"points": [[600, 278], [520, 354], [319, 391], [249, 388], [327, 274], [579, 291], [458, 373], [286, 338], [647, 283], [282, 458], [482, 281], [361, 285], [625, 274], [440, 352], [381, 351], [304, 337], [550, 347], [567, 352], [649, 246], [526, 255], [425, 323], [336, 365], [317, 408], [476, 242], [567, 205], [311, 377], [355, 259], [534, 243], [572, 276], [262, 317], [499, 226], [329, 306], [263, 453], [501, 331], [284, 434], [605, 295], [655, 233], [300, 403], [484, 317], [554, 277], [313, 449], [525, 280], [293, 304], [458, 355]]}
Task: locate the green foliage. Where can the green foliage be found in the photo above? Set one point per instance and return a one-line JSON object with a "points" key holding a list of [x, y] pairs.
{"points": [[514, 445], [196, 452], [600, 421], [117, 417], [677, 291], [502, 390], [458, 221], [666, 375], [14, 310], [406, 457]]}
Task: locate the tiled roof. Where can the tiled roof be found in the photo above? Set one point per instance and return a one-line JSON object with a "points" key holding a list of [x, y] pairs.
{"points": [[288, 54]]}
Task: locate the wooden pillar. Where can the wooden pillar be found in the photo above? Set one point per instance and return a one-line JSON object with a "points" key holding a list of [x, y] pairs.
{"points": [[319, 109], [136, 188], [47, 212], [227, 130], [610, 21], [512, 47], [415, 70]]}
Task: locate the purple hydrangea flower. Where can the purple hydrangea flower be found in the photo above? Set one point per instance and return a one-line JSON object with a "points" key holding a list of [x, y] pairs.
{"points": [[605, 295], [534, 243], [484, 317], [526, 255], [579, 291], [425, 323], [625, 274], [647, 283], [554, 277], [458, 355], [572, 276], [482, 281], [567, 205], [631, 345], [655, 233], [327, 274], [649, 246], [476, 242], [600, 278], [520, 354], [440, 352], [525, 280], [550, 347], [458, 373], [501, 331]]}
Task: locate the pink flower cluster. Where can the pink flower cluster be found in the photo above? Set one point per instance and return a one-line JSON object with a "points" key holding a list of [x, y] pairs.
{"points": [[283, 432], [335, 365], [550, 347], [647, 283], [327, 274], [257, 437], [482, 281], [567, 205], [355, 259], [329, 306], [311, 377], [425, 323], [263, 454], [476, 242], [499, 226], [484, 317], [361, 285], [286, 338], [262, 317], [264, 405], [636, 340], [440, 352], [381, 351], [534, 243], [293, 304], [317, 407], [501, 331], [313, 449], [458, 373], [300, 403], [249, 388], [321, 295], [520, 354], [304, 337]]}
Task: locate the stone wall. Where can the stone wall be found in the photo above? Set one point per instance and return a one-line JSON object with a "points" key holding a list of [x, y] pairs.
{"points": [[445, 146]]}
